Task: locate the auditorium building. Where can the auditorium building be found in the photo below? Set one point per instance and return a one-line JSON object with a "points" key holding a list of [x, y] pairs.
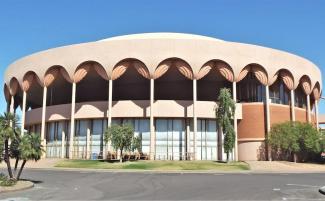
{"points": [[166, 86]]}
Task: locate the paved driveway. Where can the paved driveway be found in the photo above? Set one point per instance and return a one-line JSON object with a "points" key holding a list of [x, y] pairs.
{"points": [[85, 185]]}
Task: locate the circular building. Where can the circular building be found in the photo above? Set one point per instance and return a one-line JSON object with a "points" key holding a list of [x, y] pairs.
{"points": [[166, 86]]}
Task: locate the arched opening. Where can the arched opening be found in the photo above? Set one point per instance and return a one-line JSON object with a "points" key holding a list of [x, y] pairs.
{"points": [[251, 85], [300, 97], [59, 90], [208, 87], [58, 87], [34, 90], [301, 92], [173, 80], [131, 81], [280, 89], [94, 85], [6, 93], [315, 93], [16, 91]]}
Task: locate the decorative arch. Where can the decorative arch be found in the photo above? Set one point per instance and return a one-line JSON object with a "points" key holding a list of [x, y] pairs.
{"points": [[6, 93], [306, 84], [222, 67], [286, 77], [183, 67], [122, 66], [84, 68], [52, 73], [258, 70], [13, 86], [29, 78], [316, 91]]}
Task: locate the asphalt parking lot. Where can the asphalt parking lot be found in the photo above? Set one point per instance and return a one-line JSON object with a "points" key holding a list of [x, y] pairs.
{"points": [[88, 185]]}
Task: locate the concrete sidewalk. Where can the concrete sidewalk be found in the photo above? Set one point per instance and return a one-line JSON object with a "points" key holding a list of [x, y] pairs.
{"points": [[285, 167], [43, 163], [255, 167]]}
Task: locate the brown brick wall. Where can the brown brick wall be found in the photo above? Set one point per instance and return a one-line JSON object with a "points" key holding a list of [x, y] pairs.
{"points": [[252, 125], [279, 113], [301, 115]]}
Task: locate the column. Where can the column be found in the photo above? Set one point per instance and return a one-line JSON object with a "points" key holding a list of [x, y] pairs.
{"points": [[43, 139], [188, 140], [62, 143], [292, 103], [268, 126], [316, 115], [194, 118], [22, 128], [107, 147], [88, 141], [234, 95], [12, 105], [308, 109], [152, 126], [110, 102], [73, 103]]}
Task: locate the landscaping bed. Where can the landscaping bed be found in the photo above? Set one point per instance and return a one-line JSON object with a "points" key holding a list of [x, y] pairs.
{"points": [[9, 185], [155, 165]]}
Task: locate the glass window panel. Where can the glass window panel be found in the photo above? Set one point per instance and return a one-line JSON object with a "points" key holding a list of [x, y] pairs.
{"points": [[206, 140], [96, 136]]}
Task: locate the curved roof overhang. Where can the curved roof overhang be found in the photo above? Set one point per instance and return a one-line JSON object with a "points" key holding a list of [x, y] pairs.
{"points": [[152, 49]]}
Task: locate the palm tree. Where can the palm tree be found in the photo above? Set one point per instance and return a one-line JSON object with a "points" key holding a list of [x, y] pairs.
{"points": [[8, 125], [14, 150], [30, 148]]}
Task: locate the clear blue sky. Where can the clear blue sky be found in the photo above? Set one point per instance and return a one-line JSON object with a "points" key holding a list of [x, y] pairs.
{"points": [[30, 26]]}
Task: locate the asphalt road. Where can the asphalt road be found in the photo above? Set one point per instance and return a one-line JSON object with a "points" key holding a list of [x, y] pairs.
{"points": [[85, 185]]}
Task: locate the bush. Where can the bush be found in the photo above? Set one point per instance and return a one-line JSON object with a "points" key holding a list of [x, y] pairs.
{"points": [[292, 139], [2, 177], [5, 181]]}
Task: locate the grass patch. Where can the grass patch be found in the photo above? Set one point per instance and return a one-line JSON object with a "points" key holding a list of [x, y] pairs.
{"points": [[155, 165]]}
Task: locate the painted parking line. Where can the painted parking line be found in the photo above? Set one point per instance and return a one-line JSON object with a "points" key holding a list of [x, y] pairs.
{"points": [[304, 185]]}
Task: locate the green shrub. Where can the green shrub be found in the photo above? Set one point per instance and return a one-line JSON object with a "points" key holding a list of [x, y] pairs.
{"points": [[293, 139], [2, 177], [5, 181], [8, 182]]}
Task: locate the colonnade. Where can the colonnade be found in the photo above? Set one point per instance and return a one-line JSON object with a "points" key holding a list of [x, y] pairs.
{"points": [[152, 126]]}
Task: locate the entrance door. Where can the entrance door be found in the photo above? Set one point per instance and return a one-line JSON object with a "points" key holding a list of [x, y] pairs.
{"points": [[170, 139], [206, 140]]}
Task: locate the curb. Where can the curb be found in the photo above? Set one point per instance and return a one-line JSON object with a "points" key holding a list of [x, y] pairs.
{"points": [[21, 185], [177, 171]]}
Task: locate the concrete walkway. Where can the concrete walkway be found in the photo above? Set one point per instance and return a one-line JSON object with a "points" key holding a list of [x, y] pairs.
{"points": [[256, 166], [43, 163], [285, 166]]}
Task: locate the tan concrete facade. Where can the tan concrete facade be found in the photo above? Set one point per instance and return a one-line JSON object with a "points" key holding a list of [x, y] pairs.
{"points": [[162, 77]]}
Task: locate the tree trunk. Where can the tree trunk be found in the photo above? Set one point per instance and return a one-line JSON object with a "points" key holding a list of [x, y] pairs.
{"points": [[295, 157], [121, 156], [7, 159], [16, 164], [227, 157], [21, 169], [220, 144]]}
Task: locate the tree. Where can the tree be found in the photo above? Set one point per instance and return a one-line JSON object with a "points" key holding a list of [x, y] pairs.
{"points": [[225, 111], [295, 138], [283, 137], [30, 148], [8, 131], [14, 150], [122, 138]]}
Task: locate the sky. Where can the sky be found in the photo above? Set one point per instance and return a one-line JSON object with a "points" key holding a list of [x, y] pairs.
{"points": [[296, 26]]}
